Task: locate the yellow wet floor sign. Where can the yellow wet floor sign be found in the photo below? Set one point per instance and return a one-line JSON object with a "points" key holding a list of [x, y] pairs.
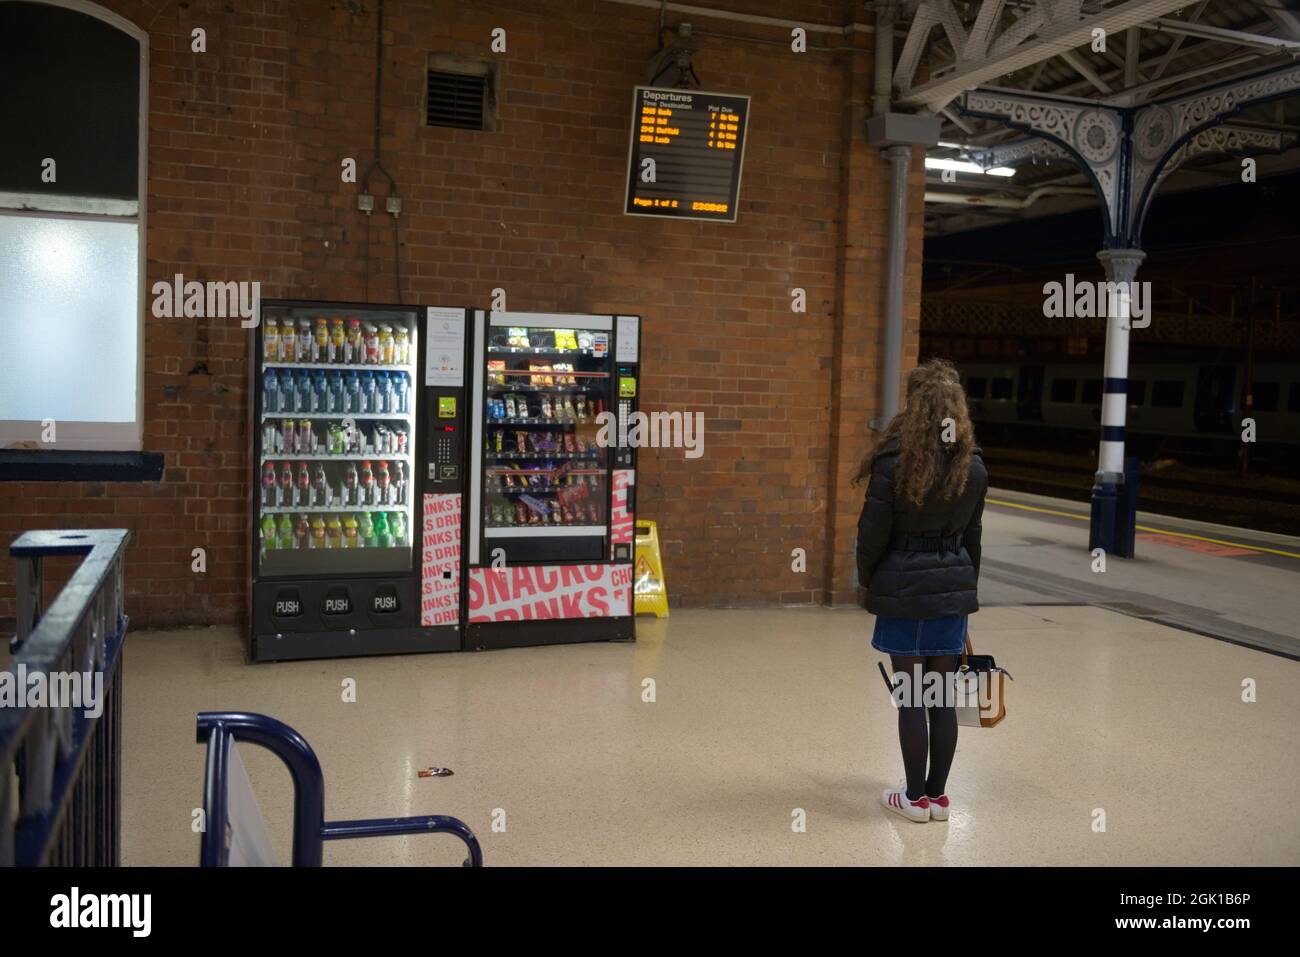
{"points": [[648, 579]]}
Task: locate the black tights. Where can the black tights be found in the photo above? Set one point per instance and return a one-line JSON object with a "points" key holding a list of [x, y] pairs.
{"points": [[941, 739]]}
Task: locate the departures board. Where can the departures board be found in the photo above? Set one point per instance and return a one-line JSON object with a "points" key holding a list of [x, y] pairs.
{"points": [[686, 153]]}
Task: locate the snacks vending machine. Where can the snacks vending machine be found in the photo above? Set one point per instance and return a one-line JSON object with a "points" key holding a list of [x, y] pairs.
{"points": [[552, 479], [358, 445]]}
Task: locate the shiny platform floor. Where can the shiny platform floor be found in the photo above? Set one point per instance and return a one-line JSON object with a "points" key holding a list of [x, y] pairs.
{"points": [[756, 714]]}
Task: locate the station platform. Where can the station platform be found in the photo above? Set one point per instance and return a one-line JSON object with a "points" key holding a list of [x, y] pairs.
{"points": [[1233, 584], [1123, 712]]}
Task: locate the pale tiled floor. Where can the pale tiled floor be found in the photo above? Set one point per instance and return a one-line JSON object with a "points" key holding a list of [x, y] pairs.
{"points": [[757, 713]]}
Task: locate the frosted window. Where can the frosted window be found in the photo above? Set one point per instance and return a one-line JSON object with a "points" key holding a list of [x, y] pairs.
{"points": [[69, 312]]}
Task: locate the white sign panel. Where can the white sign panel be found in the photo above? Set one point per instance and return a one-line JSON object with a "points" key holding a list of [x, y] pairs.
{"points": [[247, 843], [444, 347], [625, 334]]}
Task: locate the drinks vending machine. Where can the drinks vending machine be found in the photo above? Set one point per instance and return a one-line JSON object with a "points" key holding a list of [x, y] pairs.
{"points": [[552, 479], [432, 479], [358, 433]]}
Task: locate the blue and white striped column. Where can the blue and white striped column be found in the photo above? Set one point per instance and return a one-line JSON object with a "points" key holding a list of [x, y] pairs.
{"points": [[1121, 267]]}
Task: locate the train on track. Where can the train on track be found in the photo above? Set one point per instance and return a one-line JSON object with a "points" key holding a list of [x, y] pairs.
{"points": [[1173, 400]]}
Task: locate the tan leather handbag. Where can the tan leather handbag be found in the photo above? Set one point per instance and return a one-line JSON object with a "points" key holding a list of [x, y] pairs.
{"points": [[981, 692]]}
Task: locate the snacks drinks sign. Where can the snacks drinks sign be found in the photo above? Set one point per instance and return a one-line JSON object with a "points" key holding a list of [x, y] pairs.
{"points": [[530, 592], [685, 157], [440, 561]]}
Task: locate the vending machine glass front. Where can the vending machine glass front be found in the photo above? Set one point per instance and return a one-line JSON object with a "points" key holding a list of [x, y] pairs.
{"points": [[336, 443], [545, 475]]}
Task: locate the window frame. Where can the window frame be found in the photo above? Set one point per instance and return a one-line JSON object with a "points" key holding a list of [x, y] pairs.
{"points": [[86, 436]]}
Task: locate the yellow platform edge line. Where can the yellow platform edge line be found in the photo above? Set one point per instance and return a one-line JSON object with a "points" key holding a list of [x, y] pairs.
{"points": [[1147, 528]]}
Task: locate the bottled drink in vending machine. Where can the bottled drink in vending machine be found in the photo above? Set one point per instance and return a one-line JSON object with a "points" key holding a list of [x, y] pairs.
{"points": [[350, 485], [288, 342], [271, 341], [367, 486], [350, 532], [306, 391], [320, 490], [320, 343], [397, 526], [302, 533], [338, 394], [317, 533], [383, 537], [381, 393], [284, 533], [401, 345], [365, 531], [369, 399], [385, 344], [319, 392], [268, 484], [306, 438], [333, 532], [354, 348], [268, 532], [383, 484], [371, 336], [399, 483], [304, 340], [271, 391], [353, 403], [302, 491], [338, 341], [286, 485]]}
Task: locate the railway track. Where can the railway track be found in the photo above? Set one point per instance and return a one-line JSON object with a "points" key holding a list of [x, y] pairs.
{"points": [[1262, 504]]}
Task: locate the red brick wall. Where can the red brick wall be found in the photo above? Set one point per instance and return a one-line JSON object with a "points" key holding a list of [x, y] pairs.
{"points": [[244, 159]]}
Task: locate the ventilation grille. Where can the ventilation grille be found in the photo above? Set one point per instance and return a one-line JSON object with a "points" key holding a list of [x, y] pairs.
{"points": [[455, 99]]}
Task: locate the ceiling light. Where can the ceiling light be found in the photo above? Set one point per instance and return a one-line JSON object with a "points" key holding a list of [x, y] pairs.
{"points": [[962, 166]]}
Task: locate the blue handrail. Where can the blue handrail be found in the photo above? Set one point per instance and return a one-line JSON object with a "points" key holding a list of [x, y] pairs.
{"points": [[65, 755], [217, 729]]}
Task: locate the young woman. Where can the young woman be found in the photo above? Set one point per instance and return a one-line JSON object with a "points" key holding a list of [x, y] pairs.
{"points": [[919, 561]]}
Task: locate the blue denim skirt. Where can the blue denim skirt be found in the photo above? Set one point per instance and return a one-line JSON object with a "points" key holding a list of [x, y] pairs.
{"points": [[917, 637]]}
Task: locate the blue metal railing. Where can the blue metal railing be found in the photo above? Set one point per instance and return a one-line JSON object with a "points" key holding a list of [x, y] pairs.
{"points": [[218, 729], [60, 735]]}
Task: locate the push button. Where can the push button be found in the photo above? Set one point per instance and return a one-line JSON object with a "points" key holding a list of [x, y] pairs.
{"points": [[338, 602], [384, 601], [288, 604]]}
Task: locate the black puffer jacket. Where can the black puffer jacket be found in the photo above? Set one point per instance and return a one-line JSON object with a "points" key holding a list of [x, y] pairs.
{"points": [[920, 562]]}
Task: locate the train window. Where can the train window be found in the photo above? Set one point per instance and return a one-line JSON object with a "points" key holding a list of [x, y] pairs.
{"points": [[1137, 391], [1001, 388], [1293, 400], [975, 386], [1063, 389], [1265, 395], [1167, 394], [1091, 392]]}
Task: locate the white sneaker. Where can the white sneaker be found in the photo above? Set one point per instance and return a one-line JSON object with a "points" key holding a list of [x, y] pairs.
{"points": [[896, 800], [938, 807]]}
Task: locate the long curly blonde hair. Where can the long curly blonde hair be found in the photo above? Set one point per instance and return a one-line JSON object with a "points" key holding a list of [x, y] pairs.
{"points": [[932, 431]]}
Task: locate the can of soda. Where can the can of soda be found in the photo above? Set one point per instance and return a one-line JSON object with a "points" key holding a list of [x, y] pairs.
{"points": [[401, 443], [306, 438]]}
